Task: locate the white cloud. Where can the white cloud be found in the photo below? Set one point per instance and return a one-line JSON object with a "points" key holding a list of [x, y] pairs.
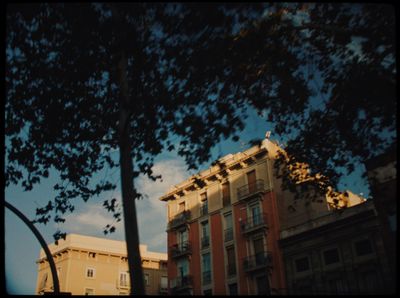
{"points": [[92, 217], [92, 220], [152, 213]]}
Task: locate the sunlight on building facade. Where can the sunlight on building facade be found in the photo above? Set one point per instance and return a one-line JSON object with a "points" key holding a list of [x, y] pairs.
{"points": [[98, 266]]}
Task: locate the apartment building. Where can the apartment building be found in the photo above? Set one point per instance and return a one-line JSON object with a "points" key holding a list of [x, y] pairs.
{"points": [[340, 252], [224, 225], [96, 266]]}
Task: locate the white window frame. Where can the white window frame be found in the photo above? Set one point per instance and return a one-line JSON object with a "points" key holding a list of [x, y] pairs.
{"points": [[87, 271], [123, 273], [86, 288]]}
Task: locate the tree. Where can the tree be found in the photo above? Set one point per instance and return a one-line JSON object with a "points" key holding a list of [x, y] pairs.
{"points": [[85, 79], [346, 54]]}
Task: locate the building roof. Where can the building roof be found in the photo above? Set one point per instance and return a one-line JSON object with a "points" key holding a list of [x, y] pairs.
{"points": [[226, 163], [327, 219], [96, 244]]}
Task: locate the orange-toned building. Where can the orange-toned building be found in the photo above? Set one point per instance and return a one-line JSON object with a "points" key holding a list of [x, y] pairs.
{"points": [[224, 225]]}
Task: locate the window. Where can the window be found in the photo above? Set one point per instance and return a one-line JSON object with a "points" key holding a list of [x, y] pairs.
{"points": [[90, 272], [226, 195], [206, 269], [228, 227], [89, 291], [230, 254], [183, 267], [337, 286], [233, 289], [205, 240], [368, 282], [251, 180], [256, 217], [204, 204], [302, 264], [123, 279], [164, 282], [59, 272], [363, 247], [147, 279], [183, 237], [181, 207], [207, 292], [331, 256]]}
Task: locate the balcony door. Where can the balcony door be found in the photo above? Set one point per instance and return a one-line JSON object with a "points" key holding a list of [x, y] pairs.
{"points": [[183, 238], [258, 245], [262, 283], [251, 181], [183, 268], [255, 211]]}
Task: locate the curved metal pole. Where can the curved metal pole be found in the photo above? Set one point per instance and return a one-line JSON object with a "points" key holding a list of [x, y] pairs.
{"points": [[39, 237]]}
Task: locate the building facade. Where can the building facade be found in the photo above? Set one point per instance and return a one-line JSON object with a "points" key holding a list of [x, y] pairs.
{"points": [[382, 174], [337, 253], [97, 266], [224, 225]]}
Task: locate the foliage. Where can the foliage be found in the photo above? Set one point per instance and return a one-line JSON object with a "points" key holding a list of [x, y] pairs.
{"points": [[192, 70]]}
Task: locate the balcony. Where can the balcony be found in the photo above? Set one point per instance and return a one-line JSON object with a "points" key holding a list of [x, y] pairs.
{"points": [[179, 220], [260, 261], [163, 290], [250, 190], [181, 250], [228, 234], [205, 242], [254, 224], [181, 284]]}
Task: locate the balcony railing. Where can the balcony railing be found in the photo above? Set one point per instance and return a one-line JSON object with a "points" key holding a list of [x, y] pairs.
{"points": [[181, 249], [251, 189], [228, 234], [163, 289], [181, 283], [231, 270], [205, 241], [254, 223], [206, 277], [261, 260], [180, 219]]}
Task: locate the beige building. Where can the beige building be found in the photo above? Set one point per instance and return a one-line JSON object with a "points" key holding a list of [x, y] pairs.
{"points": [[97, 266]]}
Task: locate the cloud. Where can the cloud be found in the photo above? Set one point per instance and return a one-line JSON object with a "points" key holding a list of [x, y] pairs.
{"points": [[92, 217], [91, 222], [152, 213]]}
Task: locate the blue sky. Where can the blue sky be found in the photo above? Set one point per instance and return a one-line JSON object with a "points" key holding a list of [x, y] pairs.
{"points": [[22, 248]]}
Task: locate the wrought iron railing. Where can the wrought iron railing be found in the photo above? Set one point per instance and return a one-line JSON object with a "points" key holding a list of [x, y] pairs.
{"points": [[253, 223], [181, 282], [250, 189], [257, 261], [181, 249], [179, 219]]}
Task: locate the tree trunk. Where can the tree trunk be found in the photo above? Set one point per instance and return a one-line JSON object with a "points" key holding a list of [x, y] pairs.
{"points": [[128, 191]]}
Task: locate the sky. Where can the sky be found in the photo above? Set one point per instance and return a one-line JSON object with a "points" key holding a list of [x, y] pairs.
{"points": [[22, 248]]}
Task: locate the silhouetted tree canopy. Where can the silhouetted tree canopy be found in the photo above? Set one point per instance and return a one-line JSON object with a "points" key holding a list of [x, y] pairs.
{"points": [[182, 75]]}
